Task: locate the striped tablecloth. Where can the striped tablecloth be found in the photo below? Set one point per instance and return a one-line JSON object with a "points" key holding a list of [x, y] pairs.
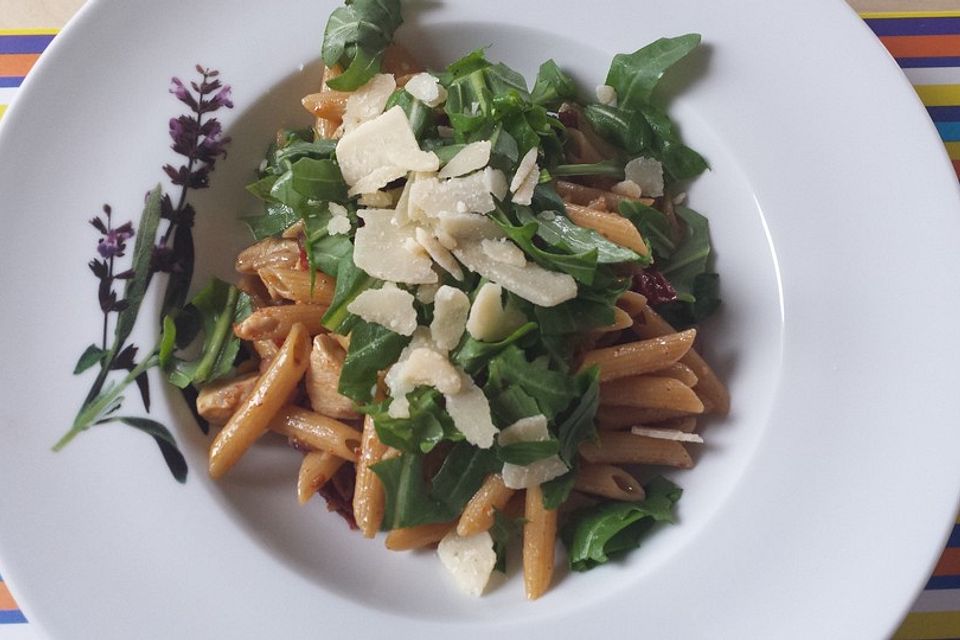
{"points": [[927, 47]]}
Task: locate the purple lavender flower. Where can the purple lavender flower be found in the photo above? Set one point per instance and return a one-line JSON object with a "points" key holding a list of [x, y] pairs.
{"points": [[113, 243], [200, 140]]}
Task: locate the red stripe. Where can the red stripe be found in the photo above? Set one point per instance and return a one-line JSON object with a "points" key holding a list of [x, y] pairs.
{"points": [[17, 64], [949, 563], [922, 46], [956, 167], [6, 600]]}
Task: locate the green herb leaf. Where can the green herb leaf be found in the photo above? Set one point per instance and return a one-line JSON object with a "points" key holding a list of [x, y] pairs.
{"points": [[523, 453], [595, 534], [422, 118], [372, 348], [164, 439], [552, 390], [691, 257], [276, 219], [136, 286], [634, 76], [504, 529], [91, 356], [408, 501], [578, 426], [556, 491], [462, 473], [653, 226], [427, 426], [472, 354], [623, 127], [356, 36], [558, 231], [679, 161], [683, 314], [351, 282], [510, 405], [553, 86]]}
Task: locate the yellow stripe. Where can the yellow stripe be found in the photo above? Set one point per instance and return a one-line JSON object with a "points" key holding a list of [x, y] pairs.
{"points": [[939, 95], [29, 32], [3, 109], [873, 15], [937, 625], [953, 150]]}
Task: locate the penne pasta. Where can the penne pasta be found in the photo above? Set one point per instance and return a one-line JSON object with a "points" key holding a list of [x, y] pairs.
{"points": [[613, 417], [271, 323], [711, 391], [611, 226], [621, 320], [582, 195], [651, 392], [315, 470], [687, 424], [632, 302], [295, 285], [608, 481], [253, 286], [539, 542], [368, 498], [618, 447], [418, 537], [327, 104], [254, 414], [269, 252], [478, 515], [679, 371], [317, 432], [398, 60], [644, 356]]}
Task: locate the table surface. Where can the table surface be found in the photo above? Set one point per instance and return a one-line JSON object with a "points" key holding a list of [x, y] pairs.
{"points": [[924, 37]]}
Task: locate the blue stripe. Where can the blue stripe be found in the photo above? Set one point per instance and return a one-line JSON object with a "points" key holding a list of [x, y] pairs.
{"points": [[944, 114], [914, 26], [943, 582], [954, 540], [10, 81], [917, 63], [12, 617], [24, 44], [949, 131]]}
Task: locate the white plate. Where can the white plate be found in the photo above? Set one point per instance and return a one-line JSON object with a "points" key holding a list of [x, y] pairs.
{"points": [[817, 508]]}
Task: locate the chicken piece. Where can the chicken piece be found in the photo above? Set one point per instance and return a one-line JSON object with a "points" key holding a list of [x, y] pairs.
{"points": [[217, 402], [323, 376], [269, 252]]}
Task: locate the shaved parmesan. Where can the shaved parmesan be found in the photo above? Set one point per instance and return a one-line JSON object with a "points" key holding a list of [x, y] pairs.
{"points": [[627, 188], [667, 434], [337, 209], [388, 306], [531, 282], [376, 200], [433, 197], [426, 293], [386, 142], [467, 226], [504, 251], [470, 412], [496, 182], [647, 173], [338, 225], [470, 560], [525, 168], [524, 195], [529, 429], [427, 89], [440, 254], [425, 367], [450, 309], [379, 250], [537, 472], [607, 95], [488, 320], [368, 101], [472, 157], [377, 178]]}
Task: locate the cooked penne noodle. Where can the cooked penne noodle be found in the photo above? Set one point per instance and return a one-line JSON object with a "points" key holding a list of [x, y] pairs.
{"points": [[398, 60], [584, 148], [327, 104], [270, 323], [621, 321], [294, 284], [644, 356], [613, 417], [539, 540], [269, 252], [611, 226], [632, 302], [315, 470], [678, 371], [253, 286], [713, 392], [255, 413], [368, 498], [218, 401], [651, 392], [583, 195], [687, 424], [608, 481], [267, 350], [317, 431], [478, 515], [326, 128], [618, 447], [418, 537]]}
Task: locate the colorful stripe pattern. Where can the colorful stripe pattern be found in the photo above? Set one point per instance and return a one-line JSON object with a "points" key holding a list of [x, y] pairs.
{"points": [[925, 44]]}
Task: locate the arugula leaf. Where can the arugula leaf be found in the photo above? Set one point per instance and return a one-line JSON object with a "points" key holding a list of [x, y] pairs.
{"points": [[595, 534], [552, 86], [351, 282], [653, 226], [682, 314], [523, 453], [592, 308], [680, 162], [463, 471], [408, 501], [427, 426], [276, 218], [510, 405], [372, 348], [558, 231], [504, 529], [578, 426], [607, 168], [164, 439], [691, 257], [422, 118], [472, 354], [634, 76], [217, 308], [356, 37], [556, 491], [552, 390], [309, 179], [502, 80], [326, 253], [626, 128]]}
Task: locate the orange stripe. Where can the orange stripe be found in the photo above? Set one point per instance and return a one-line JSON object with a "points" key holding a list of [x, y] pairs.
{"points": [[949, 563], [17, 64], [922, 46], [956, 167], [6, 600]]}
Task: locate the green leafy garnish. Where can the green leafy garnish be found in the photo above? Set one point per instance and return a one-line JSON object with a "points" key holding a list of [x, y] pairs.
{"points": [[552, 86], [372, 348], [356, 37], [635, 75], [427, 426]]}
